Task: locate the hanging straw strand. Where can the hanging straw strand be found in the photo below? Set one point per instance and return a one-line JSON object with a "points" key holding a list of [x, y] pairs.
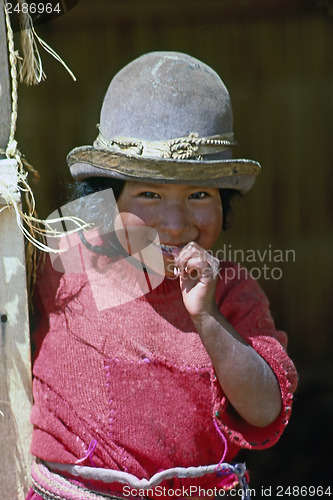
{"points": [[29, 224]]}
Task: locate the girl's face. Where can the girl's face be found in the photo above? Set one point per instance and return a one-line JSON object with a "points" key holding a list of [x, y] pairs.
{"points": [[178, 213]]}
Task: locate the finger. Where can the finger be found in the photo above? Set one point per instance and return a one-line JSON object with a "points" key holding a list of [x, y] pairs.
{"points": [[193, 250], [200, 267], [204, 268], [189, 251]]}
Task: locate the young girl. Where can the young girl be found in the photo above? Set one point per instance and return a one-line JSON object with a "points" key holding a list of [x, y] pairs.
{"points": [[153, 394]]}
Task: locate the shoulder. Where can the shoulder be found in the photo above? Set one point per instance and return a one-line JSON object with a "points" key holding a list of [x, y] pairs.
{"points": [[243, 302], [236, 283], [53, 286]]}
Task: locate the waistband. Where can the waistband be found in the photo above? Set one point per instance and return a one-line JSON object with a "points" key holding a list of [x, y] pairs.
{"points": [[54, 481]]}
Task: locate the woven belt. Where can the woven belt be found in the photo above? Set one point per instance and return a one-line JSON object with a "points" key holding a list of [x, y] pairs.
{"points": [[51, 485]]}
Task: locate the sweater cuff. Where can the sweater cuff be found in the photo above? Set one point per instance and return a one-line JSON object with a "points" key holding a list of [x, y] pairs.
{"points": [[243, 434]]}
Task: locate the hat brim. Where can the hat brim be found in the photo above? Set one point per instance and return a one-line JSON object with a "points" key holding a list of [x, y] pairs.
{"points": [[87, 161]]}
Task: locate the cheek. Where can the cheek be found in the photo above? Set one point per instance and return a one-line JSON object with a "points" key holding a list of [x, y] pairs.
{"points": [[125, 219], [211, 225], [133, 233]]}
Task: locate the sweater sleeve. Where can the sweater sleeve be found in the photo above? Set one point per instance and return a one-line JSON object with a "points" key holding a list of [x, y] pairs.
{"points": [[244, 304]]}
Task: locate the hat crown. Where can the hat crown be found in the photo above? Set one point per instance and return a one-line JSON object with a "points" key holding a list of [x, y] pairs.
{"points": [[166, 117], [164, 95]]}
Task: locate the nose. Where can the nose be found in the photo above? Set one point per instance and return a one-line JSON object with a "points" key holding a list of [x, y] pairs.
{"points": [[175, 221]]}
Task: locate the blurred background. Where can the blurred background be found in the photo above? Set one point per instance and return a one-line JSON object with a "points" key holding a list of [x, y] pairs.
{"points": [[276, 58]]}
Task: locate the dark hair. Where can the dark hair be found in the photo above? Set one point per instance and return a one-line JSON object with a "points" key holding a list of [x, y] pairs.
{"points": [[91, 185], [227, 198]]}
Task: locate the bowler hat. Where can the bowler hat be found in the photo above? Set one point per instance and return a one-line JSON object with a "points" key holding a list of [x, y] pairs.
{"points": [[167, 118]]}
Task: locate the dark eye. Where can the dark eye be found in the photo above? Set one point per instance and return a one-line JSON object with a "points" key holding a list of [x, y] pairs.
{"points": [[149, 194], [199, 195]]}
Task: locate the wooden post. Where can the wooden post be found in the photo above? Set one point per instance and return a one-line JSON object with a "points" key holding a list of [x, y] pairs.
{"points": [[15, 368]]}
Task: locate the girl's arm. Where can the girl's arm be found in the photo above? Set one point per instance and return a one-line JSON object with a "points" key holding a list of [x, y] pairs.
{"points": [[245, 377]]}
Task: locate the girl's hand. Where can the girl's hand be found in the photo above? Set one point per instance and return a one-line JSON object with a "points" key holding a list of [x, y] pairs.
{"points": [[198, 271]]}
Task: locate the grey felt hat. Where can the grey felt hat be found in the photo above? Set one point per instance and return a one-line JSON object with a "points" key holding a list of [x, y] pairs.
{"points": [[166, 117]]}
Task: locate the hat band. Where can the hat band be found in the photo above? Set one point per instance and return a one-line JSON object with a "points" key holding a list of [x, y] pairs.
{"points": [[180, 148]]}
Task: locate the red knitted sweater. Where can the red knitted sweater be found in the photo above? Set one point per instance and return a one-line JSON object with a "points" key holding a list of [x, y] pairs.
{"points": [[137, 380]]}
